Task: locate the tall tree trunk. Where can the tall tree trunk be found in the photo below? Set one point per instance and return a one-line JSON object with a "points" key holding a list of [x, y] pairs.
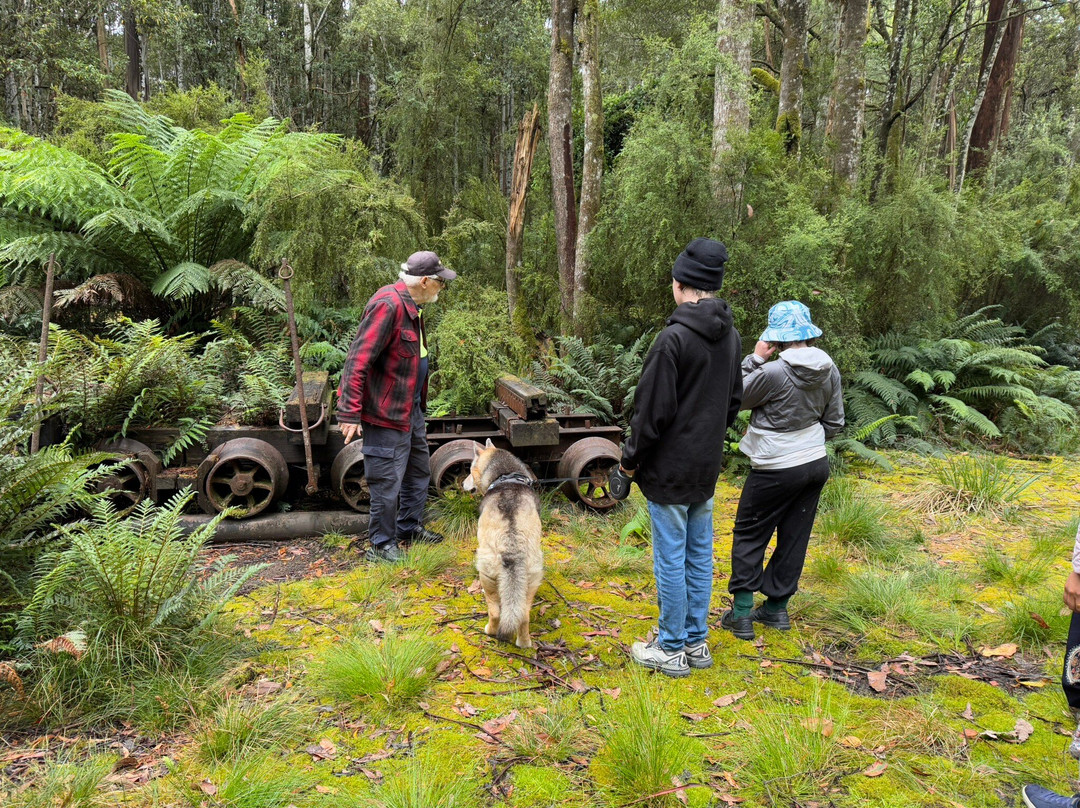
{"points": [[731, 94], [146, 66], [527, 138], [133, 73], [103, 44], [241, 53], [309, 57], [992, 122], [560, 144], [849, 91], [892, 84], [592, 163], [980, 95], [795, 14]]}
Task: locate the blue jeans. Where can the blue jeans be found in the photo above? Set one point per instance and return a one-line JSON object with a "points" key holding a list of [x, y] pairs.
{"points": [[683, 561]]}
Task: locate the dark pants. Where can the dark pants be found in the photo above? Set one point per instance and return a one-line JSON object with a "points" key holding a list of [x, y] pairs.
{"points": [[1070, 676], [398, 471], [786, 501]]}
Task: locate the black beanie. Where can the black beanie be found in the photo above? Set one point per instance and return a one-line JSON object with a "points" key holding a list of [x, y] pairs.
{"points": [[701, 265]]}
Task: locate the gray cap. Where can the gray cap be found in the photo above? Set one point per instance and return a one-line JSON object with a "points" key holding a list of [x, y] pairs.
{"points": [[426, 262]]}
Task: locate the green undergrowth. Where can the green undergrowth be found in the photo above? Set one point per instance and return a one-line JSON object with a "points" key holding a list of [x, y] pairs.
{"points": [[387, 671]]}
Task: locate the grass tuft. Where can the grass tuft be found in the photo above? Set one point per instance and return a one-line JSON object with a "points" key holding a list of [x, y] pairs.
{"points": [[257, 782], [72, 785], [393, 672], [425, 561], [791, 754], [457, 513], [239, 727], [976, 484], [425, 784], [550, 733], [1033, 622], [1019, 573], [644, 750]]}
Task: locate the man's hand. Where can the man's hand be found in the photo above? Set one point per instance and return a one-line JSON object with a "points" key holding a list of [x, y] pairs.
{"points": [[1072, 591], [764, 349], [350, 431]]}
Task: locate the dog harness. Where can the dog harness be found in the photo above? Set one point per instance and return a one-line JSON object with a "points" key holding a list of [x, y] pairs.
{"points": [[513, 478]]}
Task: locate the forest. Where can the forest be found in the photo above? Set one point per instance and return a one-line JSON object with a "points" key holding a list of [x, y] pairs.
{"points": [[908, 169]]}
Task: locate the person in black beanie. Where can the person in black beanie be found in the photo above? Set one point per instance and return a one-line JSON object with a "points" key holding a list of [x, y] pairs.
{"points": [[688, 395]]}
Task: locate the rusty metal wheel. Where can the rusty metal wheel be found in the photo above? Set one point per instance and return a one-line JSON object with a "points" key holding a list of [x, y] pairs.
{"points": [[133, 481], [450, 463], [244, 473], [590, 461], [347, 477]]}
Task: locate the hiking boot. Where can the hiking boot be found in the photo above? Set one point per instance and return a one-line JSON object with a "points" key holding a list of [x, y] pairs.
{"points": [[778, 620], [423, 536], [388, 552], [698, 656], [741, 627], [669, 663], [1039, 797]]}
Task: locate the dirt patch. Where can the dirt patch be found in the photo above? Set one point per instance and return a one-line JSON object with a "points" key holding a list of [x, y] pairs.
{"points": [[301, 559]]}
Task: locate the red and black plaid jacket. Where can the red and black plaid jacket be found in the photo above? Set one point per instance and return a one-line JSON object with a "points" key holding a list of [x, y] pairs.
{"points": [[378, 383]]}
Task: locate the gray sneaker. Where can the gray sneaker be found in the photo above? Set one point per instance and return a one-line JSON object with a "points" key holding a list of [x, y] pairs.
{"points": [[698, 656], [669, 663]]}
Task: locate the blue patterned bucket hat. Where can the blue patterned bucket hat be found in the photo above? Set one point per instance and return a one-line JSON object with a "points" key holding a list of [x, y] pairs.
{"points": [[789, 321]]}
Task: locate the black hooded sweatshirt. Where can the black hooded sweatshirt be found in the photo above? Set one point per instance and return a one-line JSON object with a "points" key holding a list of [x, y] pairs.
{"points": [[689, 394]]}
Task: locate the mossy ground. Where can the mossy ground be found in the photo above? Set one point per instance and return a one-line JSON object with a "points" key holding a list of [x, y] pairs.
{"points": [[796, 732]]}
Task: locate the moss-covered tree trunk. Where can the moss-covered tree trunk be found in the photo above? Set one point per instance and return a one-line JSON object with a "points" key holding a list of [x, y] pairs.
{"points": [[796, 14], [561, 145], [848, 103], [731, 97], [592, 163]]}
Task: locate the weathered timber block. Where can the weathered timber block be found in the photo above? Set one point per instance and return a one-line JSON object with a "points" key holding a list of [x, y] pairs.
{"points": [[529, 402], [316, 394], [520, 433]]}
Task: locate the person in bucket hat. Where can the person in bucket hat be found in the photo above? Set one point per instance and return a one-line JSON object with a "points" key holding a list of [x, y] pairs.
{"points": [[796, 403]]}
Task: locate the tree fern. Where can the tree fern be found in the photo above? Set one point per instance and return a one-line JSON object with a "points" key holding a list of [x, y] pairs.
{"points": [[131, 580]]}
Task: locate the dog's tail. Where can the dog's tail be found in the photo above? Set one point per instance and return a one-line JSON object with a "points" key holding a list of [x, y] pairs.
{"points": [[513, 590]]}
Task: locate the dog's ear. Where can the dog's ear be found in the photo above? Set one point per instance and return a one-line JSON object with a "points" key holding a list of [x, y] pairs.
{"points": [[489, 444], [475, 450]]}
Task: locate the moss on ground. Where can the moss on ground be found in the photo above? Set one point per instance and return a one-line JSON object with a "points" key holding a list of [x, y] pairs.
{"points": [[915, 744]]}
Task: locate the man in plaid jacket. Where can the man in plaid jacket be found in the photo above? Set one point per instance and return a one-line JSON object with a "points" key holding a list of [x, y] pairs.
{"points": [[384, 389]]}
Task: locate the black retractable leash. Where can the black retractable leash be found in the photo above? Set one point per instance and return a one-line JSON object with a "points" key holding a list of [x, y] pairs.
{"points": [[615, 482]]}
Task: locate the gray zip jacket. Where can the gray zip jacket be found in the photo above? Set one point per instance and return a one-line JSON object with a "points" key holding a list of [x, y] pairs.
{"points": [[796, 404]]}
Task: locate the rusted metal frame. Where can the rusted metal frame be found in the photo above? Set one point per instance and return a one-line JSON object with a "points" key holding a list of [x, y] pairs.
{"points": [[43, 351], [285, 273]]}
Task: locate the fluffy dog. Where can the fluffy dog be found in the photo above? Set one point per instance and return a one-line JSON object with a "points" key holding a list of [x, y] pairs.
{"points": [[508, 553]]}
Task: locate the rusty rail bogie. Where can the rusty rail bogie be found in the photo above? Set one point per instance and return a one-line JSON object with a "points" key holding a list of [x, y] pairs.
{"points": [[553, 444]]}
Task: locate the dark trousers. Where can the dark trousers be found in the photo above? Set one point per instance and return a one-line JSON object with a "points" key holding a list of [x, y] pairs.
{"points": [[398, 471], [784, 501], [1070, 676]]}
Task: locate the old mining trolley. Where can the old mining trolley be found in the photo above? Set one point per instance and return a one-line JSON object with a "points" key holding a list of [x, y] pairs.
{"points": [[247, 468]]}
